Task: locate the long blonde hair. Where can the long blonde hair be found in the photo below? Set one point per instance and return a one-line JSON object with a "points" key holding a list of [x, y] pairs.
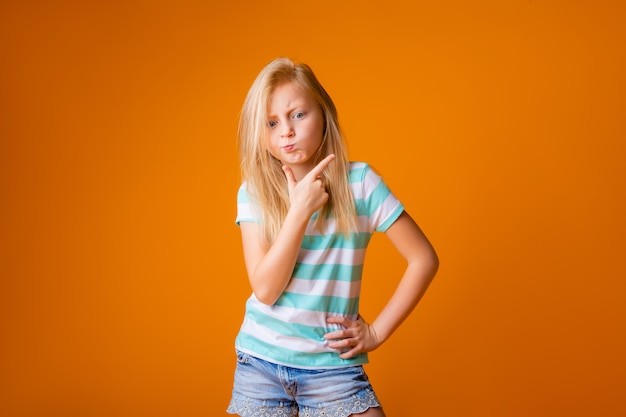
{"points": [[265, 180]]}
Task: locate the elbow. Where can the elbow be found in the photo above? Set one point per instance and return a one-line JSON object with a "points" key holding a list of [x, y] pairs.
{"points": [[433, 264], [266, 297], [264, 290], [428, 264]]}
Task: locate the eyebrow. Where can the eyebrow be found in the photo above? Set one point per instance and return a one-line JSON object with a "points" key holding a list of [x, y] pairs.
{"points": [[296, 105]]}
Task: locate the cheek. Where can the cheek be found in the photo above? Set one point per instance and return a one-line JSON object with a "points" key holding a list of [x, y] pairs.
{"points": [[271, 140], [321, 129], [272, 144], [321, 124]]}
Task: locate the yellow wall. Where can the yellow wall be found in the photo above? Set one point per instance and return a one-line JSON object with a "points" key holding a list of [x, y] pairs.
{"points": [[500, 124]]}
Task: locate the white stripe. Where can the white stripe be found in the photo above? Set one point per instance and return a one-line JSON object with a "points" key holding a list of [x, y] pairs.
{"points": [[330, 228], [267, 335], [364, 224], [369, 184], [244, 210], [323, 287], [332, 256], [382, 212], [295, 315]]}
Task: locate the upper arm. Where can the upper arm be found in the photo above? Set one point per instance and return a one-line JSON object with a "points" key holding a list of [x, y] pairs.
{"points": [[411, 243], [254, 247]]}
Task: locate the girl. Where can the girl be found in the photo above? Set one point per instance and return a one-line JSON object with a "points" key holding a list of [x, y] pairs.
{"points": [[306, 216]]}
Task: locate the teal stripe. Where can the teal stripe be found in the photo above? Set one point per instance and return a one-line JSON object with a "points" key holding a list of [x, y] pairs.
{"points": [[325, 303], [378, 197], [336, 240], [293, 357], [288, 329], [357, 174], [242, 195], [361, 207], [335, 272]]}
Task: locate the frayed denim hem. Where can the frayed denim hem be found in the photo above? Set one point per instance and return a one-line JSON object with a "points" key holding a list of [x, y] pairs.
{"points": [[356, 405]]}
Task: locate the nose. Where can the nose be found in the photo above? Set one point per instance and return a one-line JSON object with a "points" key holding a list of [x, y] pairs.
{"points": [[287, 130]]}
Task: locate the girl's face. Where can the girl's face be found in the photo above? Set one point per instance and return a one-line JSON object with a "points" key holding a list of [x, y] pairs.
{"points": [[295, 128]]}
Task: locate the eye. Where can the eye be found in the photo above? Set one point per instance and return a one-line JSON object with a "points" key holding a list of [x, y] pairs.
{"points": [[272, 123], [297, 116]]}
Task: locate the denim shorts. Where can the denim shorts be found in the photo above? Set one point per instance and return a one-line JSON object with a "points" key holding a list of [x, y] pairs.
{"points": [[265, 389]]}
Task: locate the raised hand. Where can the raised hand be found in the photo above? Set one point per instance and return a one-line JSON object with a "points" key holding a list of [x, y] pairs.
{"points": [[308, 194], [358, 336]]}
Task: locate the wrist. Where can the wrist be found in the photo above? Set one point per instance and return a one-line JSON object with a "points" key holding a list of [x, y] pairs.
{"points": [[298, 214], [379, 333]]}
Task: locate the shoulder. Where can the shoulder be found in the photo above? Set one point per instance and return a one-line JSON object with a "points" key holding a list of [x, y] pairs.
{"points": [[361, 172], [246, 190], [358, 166]]}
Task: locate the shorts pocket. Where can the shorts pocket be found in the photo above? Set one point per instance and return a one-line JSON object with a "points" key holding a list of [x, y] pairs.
{"points": [[242, 357]]}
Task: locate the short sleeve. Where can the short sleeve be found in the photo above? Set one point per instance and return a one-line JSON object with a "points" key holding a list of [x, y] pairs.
{"points": [[376, 201], [245, 209]]}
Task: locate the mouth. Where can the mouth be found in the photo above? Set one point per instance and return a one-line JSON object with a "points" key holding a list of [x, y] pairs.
{"points": [[288, 148]]}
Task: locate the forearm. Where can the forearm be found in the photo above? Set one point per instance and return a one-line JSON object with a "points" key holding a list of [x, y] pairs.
{"points": [[273, 272], [358, 336], [415, 281], [270, 268]]}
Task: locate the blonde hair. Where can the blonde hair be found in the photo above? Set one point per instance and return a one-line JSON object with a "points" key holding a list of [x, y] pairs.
{"points": [[265, 180]]}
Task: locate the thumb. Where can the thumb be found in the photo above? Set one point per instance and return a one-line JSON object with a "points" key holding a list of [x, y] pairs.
{"points": [[291, 179]]}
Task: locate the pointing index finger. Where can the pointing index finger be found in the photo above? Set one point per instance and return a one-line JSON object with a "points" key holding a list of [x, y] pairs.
{"points": [[317, 170]]}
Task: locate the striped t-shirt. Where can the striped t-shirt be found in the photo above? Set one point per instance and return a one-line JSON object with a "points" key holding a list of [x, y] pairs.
{"points": [[326, 281]]}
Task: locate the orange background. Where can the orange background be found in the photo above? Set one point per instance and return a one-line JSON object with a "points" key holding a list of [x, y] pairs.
{"points": [[500, 124]]}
